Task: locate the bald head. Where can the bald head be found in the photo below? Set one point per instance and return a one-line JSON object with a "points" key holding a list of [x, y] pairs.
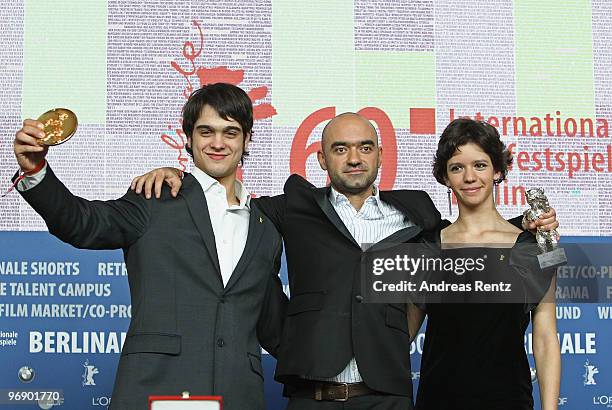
{"points": [[350, 154], [348, 122]]}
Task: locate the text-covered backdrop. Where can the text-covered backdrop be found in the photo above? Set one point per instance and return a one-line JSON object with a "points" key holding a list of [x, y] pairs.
{"points": [[540, 71]]}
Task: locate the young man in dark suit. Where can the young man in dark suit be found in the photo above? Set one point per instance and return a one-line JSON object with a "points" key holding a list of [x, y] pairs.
{"points": [[202, 269], [336, 351]]}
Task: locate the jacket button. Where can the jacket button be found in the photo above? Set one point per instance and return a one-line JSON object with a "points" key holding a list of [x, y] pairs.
{"points": [[220, 342], [222, 300], [359, 298]]}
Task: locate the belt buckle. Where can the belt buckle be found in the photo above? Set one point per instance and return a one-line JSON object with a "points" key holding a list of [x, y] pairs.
{"points": [[346, 392]]}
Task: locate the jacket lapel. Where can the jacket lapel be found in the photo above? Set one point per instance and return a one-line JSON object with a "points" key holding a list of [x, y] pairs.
{"points": [[391, 198], [420, 213], [198, 209], [401, 236], [321, 196], [256, 229]]}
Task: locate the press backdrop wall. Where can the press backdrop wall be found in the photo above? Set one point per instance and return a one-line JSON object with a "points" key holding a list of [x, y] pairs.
{"points": [[538, 70]]}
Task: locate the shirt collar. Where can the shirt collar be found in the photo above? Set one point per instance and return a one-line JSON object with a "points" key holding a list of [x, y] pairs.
{"points": [[207, 182], [337, 198]]}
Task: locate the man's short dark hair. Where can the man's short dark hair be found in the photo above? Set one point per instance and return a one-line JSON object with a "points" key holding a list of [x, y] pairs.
{"points": [[228, 100], [464, 131]]}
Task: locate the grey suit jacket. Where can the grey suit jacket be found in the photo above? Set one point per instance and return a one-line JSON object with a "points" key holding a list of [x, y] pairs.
{"points": [[188, 331]]}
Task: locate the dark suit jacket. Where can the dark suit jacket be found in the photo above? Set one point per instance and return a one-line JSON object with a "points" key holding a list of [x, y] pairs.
{"points": [[327, 322], [187, 332]]}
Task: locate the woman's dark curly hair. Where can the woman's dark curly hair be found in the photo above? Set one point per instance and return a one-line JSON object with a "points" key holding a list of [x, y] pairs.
{"points": [[464, 131]]}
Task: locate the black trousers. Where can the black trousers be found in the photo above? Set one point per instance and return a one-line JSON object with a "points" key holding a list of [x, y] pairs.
{"points": [[367, 402]]}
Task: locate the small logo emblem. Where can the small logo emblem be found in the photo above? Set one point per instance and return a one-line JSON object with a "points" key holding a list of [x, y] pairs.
{"points": [[26, 374], [89, 373], [589, 374]]}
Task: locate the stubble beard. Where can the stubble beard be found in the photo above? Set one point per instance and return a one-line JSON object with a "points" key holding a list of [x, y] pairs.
{"points": [[344, 186]]}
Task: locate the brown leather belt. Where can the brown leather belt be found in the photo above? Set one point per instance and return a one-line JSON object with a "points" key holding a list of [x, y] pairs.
{"points": [[330, 391]]}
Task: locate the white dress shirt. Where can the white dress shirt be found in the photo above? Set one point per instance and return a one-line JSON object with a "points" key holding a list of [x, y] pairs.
{"points": [[375, 221], [230, 223]]}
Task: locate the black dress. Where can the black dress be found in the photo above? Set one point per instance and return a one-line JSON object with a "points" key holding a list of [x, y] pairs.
{"points": [[473, 354]]}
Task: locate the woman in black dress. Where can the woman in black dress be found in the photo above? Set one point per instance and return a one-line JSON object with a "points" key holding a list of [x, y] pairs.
{"points": [[473, 354]]}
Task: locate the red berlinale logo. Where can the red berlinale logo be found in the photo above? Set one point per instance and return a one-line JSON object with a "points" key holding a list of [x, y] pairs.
{"points": [[205, 75]]}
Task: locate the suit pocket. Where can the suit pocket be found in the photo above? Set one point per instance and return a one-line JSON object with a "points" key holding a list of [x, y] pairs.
{"points": [[305, 302], [150, 362], [164, 343], [396, 318], [256, 366]]}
